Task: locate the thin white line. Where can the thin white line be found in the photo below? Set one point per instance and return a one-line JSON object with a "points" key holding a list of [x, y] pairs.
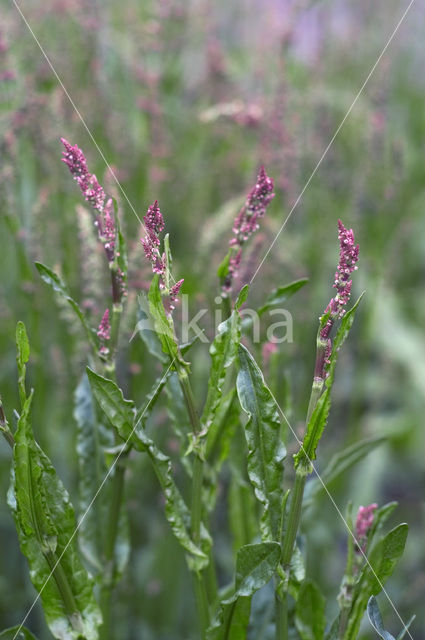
{"points": [[112, 467], [261, 263], [341, 516], [82, 120], [333, 137], [78, 113]]}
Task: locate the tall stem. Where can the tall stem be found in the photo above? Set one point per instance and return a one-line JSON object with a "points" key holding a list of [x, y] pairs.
{"points": [[196, 506], [293, 523], [117, 481]]}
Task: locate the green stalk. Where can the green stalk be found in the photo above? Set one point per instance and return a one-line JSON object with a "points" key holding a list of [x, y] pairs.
{"points": [[117, 481], [293, 523], [196, 506], [226, 306]]}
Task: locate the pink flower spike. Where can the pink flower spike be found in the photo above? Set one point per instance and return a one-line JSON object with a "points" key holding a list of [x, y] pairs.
{"points": [[260, 196], [104, 330], [348, 257], [154, 224], [175, 289], [90, 188], [247, 222], [365, 517]]}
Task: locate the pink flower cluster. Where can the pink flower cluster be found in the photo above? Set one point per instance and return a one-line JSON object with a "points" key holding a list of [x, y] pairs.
{"points": [[154, 224], [364, 521], [260, 196], [348, 257], [94, 194], [247, 222]]}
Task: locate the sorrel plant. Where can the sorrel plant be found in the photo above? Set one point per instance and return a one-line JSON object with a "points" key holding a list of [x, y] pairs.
{"points": [[76, 566]]}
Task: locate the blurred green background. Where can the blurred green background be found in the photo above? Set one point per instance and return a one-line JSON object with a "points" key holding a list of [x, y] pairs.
{"points": [[186, 99]]}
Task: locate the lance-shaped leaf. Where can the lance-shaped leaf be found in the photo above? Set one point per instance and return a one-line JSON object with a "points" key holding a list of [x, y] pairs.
{"points": [[339, 464], [265, 448], [22, 357], [121, 414], [162, 324], [375, 620], [382, 560], [319, 418], [146, 330], [310, 612], [177, 411], [46, 528], [279, 296], [17, 633], [92, 441], [223, 352], [52, 279], [255, 566]]}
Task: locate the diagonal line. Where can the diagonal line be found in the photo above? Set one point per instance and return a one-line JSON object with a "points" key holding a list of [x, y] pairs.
{"points": [[261, 263], [341, 124], [331, 498], [74, 106], [110, 470]]}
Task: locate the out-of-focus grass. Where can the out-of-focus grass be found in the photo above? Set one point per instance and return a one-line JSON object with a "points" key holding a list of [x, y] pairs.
{"points": [[151, 80]]}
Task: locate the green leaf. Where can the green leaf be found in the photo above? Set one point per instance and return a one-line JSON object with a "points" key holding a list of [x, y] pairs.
{"points": [[310, 612], [255, 566], [46, 526], [90, 467], [121, 414], [242, 512], [242, 296], [375, 619], [405, 629], [222, 429], [177, 411], [319, 418], [339, 464], [22, 357], [266, 451], [162, 325], [146, 331], [382, 560], [279, 296], [93, 439], [121, 252], [223, 268], [168, 262], [11, 634], [59, 287], [223, 351], [22, 344]]}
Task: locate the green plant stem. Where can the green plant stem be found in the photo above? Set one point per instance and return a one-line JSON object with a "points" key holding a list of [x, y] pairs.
{"points": [[293, 523], [281, 609], [294, 518], [117, 482], [226, 306], [211, 579], [201, 602], [196, 505]]}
